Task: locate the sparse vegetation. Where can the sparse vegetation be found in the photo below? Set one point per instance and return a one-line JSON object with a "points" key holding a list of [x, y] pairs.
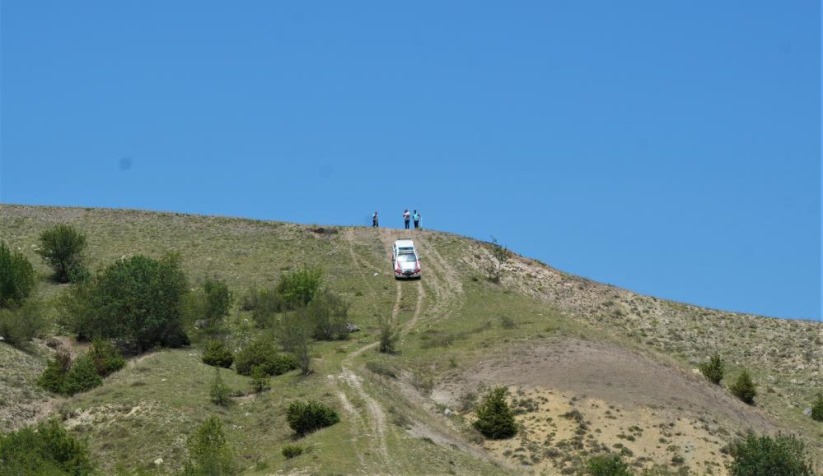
{"points": [[20, 324], [495, 419], [713, 369], [17, 277], [43, 449], [62, 248], [744, 388], [782, 455], [306, 417]]}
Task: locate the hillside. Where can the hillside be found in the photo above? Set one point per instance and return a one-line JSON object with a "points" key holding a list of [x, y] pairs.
{"points": [[589, 367]]}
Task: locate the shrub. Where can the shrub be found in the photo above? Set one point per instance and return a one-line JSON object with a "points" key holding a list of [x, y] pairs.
{"points": [[743, 388], [62, 248], [45, 449], [20, 325], [291, 451], [389, 335], [305, 417], [713, 369], [54, 375], [494, 417], [817, 408], [260, 381], [779, 456], [219, 391], [263, 304], [208, 307], [138, 299], [299, 287], [262, 353], [209, 452], [106, 357], [294, 334], [328, 314], [82, 377], [217, 354], [607, 465], [17, 277]]}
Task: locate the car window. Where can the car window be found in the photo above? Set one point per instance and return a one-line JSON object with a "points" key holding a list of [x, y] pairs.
{"points": [[407, 258]]}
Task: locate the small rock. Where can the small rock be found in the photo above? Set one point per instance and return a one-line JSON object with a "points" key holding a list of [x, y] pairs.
{"points": [[162, 380], [447, 412], [158, 461], [375, 274], [807, 411]]}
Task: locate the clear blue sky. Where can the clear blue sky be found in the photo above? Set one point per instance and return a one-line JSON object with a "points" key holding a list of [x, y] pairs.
{"points": [[669, 147]]}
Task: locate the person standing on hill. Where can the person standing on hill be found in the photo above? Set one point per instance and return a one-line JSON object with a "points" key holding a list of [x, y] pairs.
{"points": [[406, 218], [374, 221], [416, 218]]}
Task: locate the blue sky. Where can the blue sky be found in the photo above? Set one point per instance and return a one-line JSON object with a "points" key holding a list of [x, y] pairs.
{"points": [[671, 148]]}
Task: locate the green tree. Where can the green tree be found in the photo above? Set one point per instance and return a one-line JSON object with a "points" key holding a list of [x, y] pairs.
{"points": [[54, 375], [299, 287], [209, 452], [306, 417], [81, 377], [743, 388], [260, 380], [817, 408], [62, 248], [713, 369], [106, 358], [17, 277], [46, 449], [138, 299], [208, 307], [328, 314], [219, 392], [19, 325], [495, 419], [295, 336], [769, 456], [216, 353], [262, 353], [607, 465]]}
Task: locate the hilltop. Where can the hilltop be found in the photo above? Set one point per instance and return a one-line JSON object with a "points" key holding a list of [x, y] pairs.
{"points": [[588, 367]]}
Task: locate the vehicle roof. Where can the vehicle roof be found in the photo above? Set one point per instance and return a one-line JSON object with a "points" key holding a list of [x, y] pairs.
{"points": [[404, 244]]}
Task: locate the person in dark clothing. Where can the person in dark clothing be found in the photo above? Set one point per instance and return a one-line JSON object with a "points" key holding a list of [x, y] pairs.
{"points": [[374, 221], [416, 219], [406, 218]]}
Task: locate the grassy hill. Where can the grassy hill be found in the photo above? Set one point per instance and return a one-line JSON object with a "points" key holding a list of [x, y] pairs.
{"points": [[589, 367]]}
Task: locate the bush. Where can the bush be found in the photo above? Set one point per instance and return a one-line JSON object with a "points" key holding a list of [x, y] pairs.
{"points": [[138, 299], [45, 449], [82, 377], [54, 375], [607, 465], [261, 353], [767, 456], [713, 369], [209, 452], [294, 334], [62, 248], [389, 335], [817, 408], [291, 451], [305, 417], [328, 315], [299, 287], [219, 391], [106, 357], [208, 307], [260, 381], [494, 417], [743, 388], [216, 353], [17, 277], [263, 304], [20, 325]]}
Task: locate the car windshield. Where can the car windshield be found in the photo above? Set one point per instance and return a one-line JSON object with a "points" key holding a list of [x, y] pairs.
{"points": [[409, 258]]}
